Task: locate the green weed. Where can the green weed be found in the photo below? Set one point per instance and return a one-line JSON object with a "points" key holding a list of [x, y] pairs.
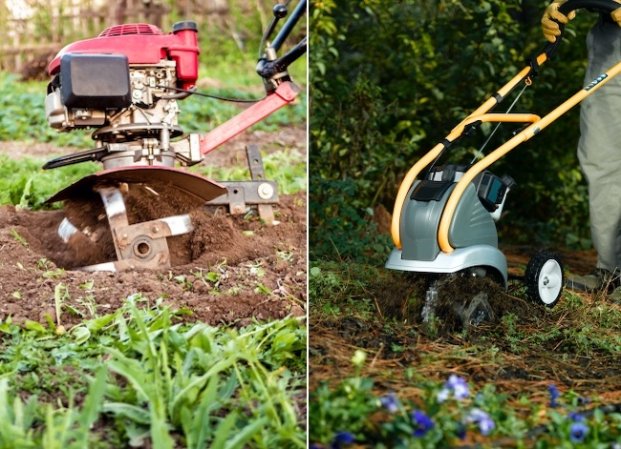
{"points": [[18, 238], [24, 183], [162, 384]]}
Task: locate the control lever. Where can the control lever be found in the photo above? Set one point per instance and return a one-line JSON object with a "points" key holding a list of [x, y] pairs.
{"points": [[279, 12]]}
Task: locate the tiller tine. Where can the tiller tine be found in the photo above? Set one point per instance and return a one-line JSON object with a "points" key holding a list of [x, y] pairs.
{"points": [[138, 245]]}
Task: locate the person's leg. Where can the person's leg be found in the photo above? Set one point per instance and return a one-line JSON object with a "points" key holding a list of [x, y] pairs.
{"points": [[599, 149]]}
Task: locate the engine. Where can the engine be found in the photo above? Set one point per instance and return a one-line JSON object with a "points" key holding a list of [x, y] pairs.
{"points": [[126, 84]]}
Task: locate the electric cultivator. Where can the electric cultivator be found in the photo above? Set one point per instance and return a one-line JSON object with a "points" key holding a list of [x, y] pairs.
{"points": [[443, 222], [127, 83]]}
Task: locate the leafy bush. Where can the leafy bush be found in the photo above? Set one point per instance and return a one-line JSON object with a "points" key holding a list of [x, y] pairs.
{"points": [[342, 227]]}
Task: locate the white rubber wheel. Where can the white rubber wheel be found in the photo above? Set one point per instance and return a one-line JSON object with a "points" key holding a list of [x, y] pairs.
{"points": [[544, 278]]}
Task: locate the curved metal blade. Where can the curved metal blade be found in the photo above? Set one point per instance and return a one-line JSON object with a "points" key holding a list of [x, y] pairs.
{"points": [[194, 185]]}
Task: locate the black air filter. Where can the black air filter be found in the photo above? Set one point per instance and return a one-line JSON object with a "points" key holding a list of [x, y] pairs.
{"points": [[95, 81]]}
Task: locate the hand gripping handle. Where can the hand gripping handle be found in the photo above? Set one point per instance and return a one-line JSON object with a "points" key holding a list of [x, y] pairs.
{"points": [[602, 6]]}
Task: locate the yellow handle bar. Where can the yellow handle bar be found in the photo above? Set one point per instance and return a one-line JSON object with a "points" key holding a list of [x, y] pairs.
{"points": [[481, 114], [428, 158], [526, 134]]}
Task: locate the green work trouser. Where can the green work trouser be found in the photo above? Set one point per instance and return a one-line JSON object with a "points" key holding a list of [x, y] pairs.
{"points": [[599, 149]]}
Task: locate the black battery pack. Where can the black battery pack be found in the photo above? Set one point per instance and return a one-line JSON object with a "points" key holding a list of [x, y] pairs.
{"points": [[95, 81]]}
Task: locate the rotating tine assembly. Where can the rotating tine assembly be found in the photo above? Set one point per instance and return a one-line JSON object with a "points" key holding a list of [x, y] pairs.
{"points": [[127, 83], [138, 245], [142, 244], [444, 222]]}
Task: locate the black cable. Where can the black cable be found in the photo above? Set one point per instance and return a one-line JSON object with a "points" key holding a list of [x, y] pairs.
{"points": [[215, 97]]}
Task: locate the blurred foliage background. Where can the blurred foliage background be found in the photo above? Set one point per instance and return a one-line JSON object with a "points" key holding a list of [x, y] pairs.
{"points": [[390, 79]]}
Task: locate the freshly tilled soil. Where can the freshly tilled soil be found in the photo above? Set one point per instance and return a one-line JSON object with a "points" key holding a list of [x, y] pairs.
{"points": [[258, 272]]}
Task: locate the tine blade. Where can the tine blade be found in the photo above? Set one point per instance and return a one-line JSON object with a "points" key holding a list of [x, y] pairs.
{"points": [[178, 224], [66, 230], [106, 266]]}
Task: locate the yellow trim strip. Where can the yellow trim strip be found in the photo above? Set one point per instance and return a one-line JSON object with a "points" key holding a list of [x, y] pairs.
{"points": [[428, 158], [526, 134]]}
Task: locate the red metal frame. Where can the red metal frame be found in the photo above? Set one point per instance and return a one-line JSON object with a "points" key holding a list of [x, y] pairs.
{"points": [[284, 95]]}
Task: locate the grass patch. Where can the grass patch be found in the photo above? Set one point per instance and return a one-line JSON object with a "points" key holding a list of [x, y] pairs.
{"points": [[287, 168], [23, 183]]}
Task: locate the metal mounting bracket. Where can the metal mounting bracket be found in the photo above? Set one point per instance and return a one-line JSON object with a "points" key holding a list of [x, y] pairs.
{"points": [[257, 192]]}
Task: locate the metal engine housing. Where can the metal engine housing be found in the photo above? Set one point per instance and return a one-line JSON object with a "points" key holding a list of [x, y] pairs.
{"points": [[128, 97]]}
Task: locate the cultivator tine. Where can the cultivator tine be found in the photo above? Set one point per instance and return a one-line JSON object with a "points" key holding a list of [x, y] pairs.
{"points": [[106, 266], [66, 230], [178, 224], [139, 245], [115, 210]]}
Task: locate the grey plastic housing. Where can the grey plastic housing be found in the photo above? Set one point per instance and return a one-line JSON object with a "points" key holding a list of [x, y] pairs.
{"points": [[472, 224], [460, 259], [472, 233]]}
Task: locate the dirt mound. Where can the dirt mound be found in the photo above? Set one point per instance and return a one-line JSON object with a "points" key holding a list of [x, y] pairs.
{"points": [[143, 203], [457, 296], [228, 269]]}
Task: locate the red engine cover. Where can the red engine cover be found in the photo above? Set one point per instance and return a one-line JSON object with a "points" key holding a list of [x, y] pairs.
{"points": [[143, 44]]}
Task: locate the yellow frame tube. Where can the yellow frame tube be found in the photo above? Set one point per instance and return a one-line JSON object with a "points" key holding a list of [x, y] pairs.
{"points": [[504, 118], [428, 158], [526, 134]]}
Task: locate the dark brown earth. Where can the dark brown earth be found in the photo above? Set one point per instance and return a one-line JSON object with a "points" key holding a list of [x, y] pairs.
{"points": [[258, 271]]}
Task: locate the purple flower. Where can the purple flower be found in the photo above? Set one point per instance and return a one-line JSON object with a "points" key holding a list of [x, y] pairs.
{"points": [[578, 431], [455, 386], [459, 386], [342, 438], [576, 417], [422, 423], [443, 395], [482, 419], [554, 395], [390, 402]]}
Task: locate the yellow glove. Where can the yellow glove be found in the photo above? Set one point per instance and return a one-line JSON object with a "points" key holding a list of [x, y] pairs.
{"points": [[616, 14], [550, 28]]}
